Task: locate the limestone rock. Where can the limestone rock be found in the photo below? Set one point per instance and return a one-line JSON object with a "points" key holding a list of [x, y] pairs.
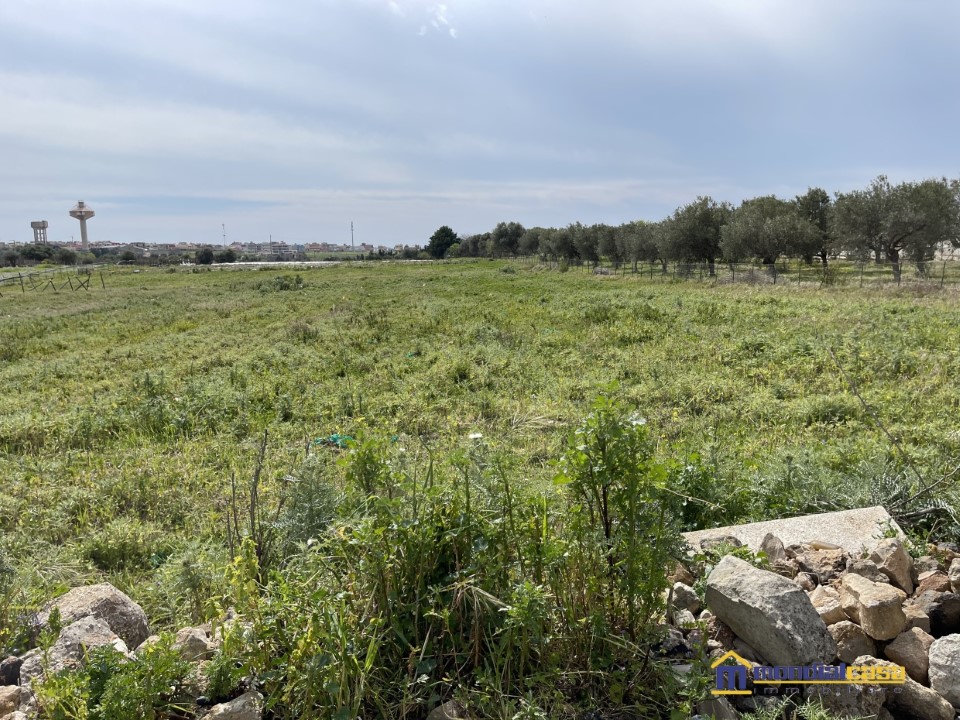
{"points": [[193, 643], [715, 541], [911, 649], [825, 565], [681, 574], [684, 597], [945, 668], [69, 649], [248, 706], [105, 602], [914, 700], [450, 710], [866, 702], [894, 562], [943, 609], [9, 699], [916, 617], [826, 601], [954, 575], [934, 581], [926, 563], [806, 581], [769, 612], [867, 569], [10, 670], [876, 607], [772, 546], [15, 715], [851, 640]]}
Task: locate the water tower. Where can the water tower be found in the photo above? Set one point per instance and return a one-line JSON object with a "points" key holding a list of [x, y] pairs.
{"points": [[39, 232], [82, 213]]}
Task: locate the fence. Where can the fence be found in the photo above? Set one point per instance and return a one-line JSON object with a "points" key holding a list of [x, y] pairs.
{"points": [[52, 280], [842, 273]]}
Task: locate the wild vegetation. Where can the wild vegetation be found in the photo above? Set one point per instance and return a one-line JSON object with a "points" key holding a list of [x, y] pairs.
{"points": [[417, 482]]}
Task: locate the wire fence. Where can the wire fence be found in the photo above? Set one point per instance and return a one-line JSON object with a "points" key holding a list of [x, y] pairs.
{"points": [[52, 280], [836, 273]]}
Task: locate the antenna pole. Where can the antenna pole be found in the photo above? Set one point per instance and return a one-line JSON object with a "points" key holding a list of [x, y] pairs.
{"points": [[223, 227], [351, 236]]}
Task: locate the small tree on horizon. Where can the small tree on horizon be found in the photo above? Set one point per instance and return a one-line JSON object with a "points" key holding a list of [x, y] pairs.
{"points": [[441, 241]]}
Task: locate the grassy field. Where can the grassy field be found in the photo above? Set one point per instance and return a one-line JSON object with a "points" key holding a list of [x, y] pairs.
{"points": [[125, 412]]}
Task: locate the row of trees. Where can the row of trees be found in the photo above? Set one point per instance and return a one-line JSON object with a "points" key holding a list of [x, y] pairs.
{"points": [[891, 223]]}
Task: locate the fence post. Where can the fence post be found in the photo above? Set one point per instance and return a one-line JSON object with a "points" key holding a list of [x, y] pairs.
{"points": [[943, 274], [774, 272], [899, 273], [862, 266], [799, 270], [733, 269], [22, 289]]}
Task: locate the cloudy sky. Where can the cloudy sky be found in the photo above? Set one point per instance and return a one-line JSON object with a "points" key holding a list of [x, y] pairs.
{"points": [[296, 117]]}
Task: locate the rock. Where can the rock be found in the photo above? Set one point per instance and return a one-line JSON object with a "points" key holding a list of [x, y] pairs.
{"points": [[851, 530], [805, 581], [954, 575], [248, 706], [681, 574], [914, 700], [105, 602], [719, 632], [10, 670], [746, 651], [826, 601], [945, 668], [894, 562], [916, 618], [911, 649], [884, 714], [671, 643], [867, 569], [450, 710], [942, 608], [926, 563], [9, 699], [851, 640], [714, 541], [948, 550], [717, 708], [28, 702], [933, 581], [70, 648], [768, 611], [825, 565], [876, 607], [705, 615], [193, 643], [684, 619], [773, 548], [854, 701], [684, 597], [16, 715]]}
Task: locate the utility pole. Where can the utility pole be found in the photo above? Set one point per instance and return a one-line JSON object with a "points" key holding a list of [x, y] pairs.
{"points": [[223, 227], [351, 236]]}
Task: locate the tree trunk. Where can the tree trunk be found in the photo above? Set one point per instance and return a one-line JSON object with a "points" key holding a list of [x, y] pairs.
{"points": [[893, 255], [712, 264], [663, 266], [823, 258]]}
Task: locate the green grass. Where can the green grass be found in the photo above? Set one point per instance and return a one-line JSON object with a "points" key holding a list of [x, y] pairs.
{"points": [[133, 405]]}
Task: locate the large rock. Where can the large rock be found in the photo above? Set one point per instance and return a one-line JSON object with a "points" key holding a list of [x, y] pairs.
{"points": [[914, 701], [916, 617], [106, 603], [851, 640], [768, 612], [954, 575], [893, 560], [194, 643], [945, 668], [10, 670], [826, 601], [9, 699], [876, 607], [943, 609], [911, 649], [684, 597], [852, 530], [70, 648], [450, 710], [933, 581], [248, 706], [825, 564]]}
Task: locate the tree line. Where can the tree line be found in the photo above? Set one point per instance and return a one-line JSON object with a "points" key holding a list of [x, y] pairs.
{"points": [[891, 223]]}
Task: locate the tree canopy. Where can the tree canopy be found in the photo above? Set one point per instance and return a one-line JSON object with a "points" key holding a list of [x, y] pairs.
{"points": [[440, 241]]}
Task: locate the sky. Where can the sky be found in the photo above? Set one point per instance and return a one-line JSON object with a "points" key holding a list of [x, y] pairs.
{"points": [[177, 120]]}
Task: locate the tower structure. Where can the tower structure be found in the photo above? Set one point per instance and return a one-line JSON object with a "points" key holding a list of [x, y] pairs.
{"points": [[82, 213], [39, 232]]}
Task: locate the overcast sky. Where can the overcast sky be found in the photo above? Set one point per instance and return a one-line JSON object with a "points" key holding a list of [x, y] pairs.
{"points": [[296, 117]]}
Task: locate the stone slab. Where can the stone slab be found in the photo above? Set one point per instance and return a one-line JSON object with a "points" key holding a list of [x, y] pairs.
{"points": [[853, 530]]}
